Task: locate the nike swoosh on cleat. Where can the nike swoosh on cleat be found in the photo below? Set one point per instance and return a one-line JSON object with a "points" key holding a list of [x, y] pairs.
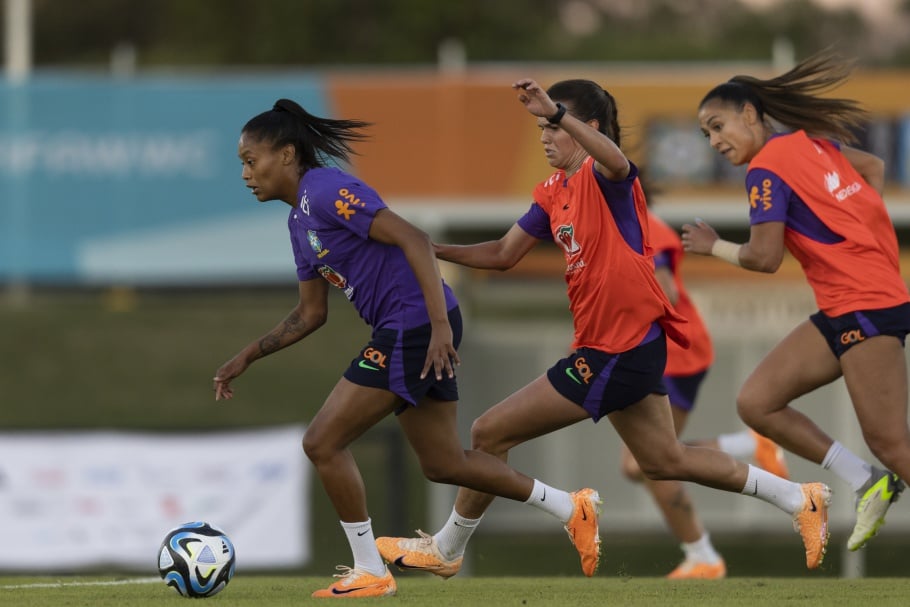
{"points": [[887, 491], [812, 502], [365, 365], [399, 562], [336, 591], [584, 514]]}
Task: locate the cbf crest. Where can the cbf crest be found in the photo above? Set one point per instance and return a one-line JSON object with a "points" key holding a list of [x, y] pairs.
{"points": [[316, 244]]}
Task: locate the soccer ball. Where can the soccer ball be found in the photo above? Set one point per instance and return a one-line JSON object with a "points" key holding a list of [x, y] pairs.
{"points": [[196, 559]]}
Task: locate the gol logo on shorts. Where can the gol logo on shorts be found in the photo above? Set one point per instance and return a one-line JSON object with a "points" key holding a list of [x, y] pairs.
{"points": [[854, 336], [375, 356], [581, 365]]}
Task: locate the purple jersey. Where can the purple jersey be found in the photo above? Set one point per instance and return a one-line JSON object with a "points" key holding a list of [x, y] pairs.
{"points": [[330, 237]]}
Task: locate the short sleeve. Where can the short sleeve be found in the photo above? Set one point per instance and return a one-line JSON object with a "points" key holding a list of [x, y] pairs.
{"points": [[769, 196], [536, 222], [351, 204]]}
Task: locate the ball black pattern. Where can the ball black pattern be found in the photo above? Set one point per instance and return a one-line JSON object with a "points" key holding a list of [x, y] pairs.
{"points": [[196, 559]]}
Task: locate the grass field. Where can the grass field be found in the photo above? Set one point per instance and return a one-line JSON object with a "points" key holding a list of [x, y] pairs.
{"points": [[107, 359], [464, 592]]}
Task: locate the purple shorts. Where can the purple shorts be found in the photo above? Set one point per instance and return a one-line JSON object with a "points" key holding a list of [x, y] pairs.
{"points": [[845, 331], [393, 361], [683, 389], [602, 383]]}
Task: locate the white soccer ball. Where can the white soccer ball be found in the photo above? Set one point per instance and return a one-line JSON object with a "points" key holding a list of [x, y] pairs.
{"points": [[196, 559]]}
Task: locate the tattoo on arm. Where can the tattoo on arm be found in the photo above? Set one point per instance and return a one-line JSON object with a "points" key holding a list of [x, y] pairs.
{"points": [[292, 326]]}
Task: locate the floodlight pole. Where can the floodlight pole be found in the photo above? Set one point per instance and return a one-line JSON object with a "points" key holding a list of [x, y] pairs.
{"points": [[18, 36], [18, 65]]}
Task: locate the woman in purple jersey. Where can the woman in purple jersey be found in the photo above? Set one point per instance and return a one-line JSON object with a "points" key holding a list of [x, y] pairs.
{"points": [[343, 235]]}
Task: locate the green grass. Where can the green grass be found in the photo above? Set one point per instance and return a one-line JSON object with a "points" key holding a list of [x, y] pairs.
{"points": [[144, 361], [471, 592]]}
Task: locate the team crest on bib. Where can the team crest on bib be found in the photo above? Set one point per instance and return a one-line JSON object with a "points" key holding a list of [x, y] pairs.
{"points": [[565, 235]]}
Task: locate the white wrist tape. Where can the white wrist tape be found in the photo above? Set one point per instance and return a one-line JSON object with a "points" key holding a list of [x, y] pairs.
{"points": [[726, 250]]}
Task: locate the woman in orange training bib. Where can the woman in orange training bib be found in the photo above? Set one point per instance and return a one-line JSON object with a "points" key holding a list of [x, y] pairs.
{"points": [[594, 208], [822, 201]]}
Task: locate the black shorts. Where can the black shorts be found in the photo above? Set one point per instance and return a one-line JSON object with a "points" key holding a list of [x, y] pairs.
{"points": [[393, 361], [683, 389], [602, 383], [845, 331]]}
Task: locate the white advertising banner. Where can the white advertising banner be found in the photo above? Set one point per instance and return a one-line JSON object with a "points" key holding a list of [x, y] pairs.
{"points": [[74, 500]]}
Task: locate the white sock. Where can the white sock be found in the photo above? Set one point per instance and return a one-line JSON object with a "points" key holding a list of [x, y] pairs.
{"points": [[363, 545], [551, 500], [701, 550], [738, 444], [786, 495], [453, 538], [847, 466]]}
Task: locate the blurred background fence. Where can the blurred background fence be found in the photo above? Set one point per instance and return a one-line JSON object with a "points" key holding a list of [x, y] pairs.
{"points": [[133, 261]]}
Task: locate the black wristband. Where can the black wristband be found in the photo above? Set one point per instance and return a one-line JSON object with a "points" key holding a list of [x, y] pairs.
{"points": [[560, 112]]}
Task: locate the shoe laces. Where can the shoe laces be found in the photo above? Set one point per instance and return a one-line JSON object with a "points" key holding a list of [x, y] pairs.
{"points": [[425, 538], [349, 575], [346, 572], [424, 541]]}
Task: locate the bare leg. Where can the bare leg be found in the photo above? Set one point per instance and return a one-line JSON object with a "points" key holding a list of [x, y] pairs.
{"points": [[671, 497], [431, 429], [647, 429], [348, 412], [876, 376], [532, 411], [799, 364]]}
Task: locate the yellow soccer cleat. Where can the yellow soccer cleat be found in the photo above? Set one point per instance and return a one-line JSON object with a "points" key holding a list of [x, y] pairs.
{"points": [[696, 570], [584, 530], [417, 554], [811, 521], [873, 505], [356, 583], [769, 456]]}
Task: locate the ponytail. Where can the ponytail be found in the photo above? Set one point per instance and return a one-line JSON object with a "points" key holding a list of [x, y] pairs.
{"points": [[316, 140], [794, 100]]}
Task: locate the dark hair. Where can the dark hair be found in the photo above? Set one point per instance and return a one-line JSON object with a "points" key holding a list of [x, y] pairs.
{"points": [[587, 100], [316, 139], [793, 98]]}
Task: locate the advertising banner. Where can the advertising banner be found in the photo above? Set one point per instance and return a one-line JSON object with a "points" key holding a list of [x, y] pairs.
{"points": [[138, 181], [82, 500]]}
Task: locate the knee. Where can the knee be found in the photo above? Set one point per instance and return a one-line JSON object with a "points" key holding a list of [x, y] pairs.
{"points": [[666, 465], [656, 470], [313, 447], [440, 470], [631, 470], [748, 409], [484, 436]]}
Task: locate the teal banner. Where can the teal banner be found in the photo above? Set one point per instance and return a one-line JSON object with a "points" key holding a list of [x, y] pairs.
{"points": [[138, 181]]}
